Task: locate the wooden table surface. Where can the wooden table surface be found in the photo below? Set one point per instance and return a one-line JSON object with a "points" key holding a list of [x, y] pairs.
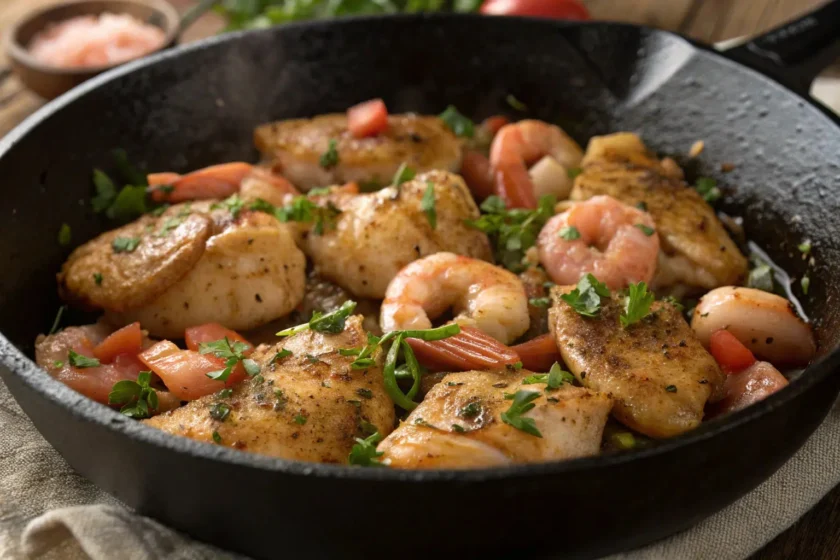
{"points": [[817, 534]]}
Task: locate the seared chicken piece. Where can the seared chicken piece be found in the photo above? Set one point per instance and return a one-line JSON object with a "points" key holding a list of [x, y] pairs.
{"points": [[191, 265], [379, 233], [696, 252], [295, 148], [458, 425], [307, 406], [52, 354], [656, 370]]}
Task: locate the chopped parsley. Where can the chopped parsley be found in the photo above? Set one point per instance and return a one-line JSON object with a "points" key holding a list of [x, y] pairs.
{"points": [[57, 321], [97, 277], [805, 283], [220, 412], [570, 233], [330, 157], [470, 410], [671, 388], [365, 393], [80, 361], [225, 393], [364, 453], [539, 301], [65, 235], [553, 379], [804, 247], [708, 189], [233, 353], [301, 209], [512, 231], [216, 437], [520, 405], [58, 364], [515, 103], [427, 204], [136, 397], [574, 172], [280, 355], [647, 230], [403, 174], [331, 323], [300, 419], [761, 277], [106, 192], [637, 304], [458, 428], [233, 204], [458, 123], [125, 244], [585, 299]]}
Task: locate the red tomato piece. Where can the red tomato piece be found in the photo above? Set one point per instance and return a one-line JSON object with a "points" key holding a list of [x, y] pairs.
{"points": [[477, 173], [184, 372], [538, 354], [96, 382], [559, 9], [210, 332], [127, 340], [747, 387], [730, 354], [368, 118], [494, 123]]}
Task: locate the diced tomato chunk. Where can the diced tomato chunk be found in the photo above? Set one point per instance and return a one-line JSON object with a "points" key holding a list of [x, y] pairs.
{"points": [[538, 354], [210, 332], [184, 372], [478, 174], [494, 123], [730, 354], [127, 340], [367, 119]]}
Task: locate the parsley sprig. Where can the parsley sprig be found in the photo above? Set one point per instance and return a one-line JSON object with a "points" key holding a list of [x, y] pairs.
{"points": [[427, 204], [555, 377], [233, 353], [364, 453], [80, 361], [136, 397], [637, 304], [586, 297], [522, 403], [330, 323], [512, 231], [304, 210], [458, 123]]}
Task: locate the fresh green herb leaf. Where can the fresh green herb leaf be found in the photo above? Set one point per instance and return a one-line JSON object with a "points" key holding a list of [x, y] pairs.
{"points": [[515, 103], [225, 393], [458, 123], [493, 205], [671, 388], [636, 304], [364, 453], [216, 437], [65, 235], [80, 361], [97, 277], [330, 157], [219, 412], [365, 393], [125, 244], [708, 189], [57, 321], [362, 363], [252, 368], [570, 233], [540, 302], [458, 428], [673, 301], [805, 283], [427, 204], [300, 419], [522, 403], [403, 174], [58, 364], [128, 172], [470, 410], [553, 379], [136, 397], [574, 172], [233, 204], [332, 323], [804, 247], [129, 204], [106, 192], [232, 353], [585, 299], [280, 355], [761, 278], [647, 230]]}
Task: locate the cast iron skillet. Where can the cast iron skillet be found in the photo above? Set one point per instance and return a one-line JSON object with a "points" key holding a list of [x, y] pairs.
{"points": [[198, 105]]}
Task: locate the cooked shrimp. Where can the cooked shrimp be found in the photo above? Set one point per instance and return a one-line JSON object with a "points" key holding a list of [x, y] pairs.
{"points": [[480, 294], [747, 387], [521, 144], [617, 243], [295, 147], [763, 322], [378, 233], [220, 181]]}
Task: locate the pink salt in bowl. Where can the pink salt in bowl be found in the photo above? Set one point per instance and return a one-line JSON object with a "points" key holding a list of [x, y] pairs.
{"points": [[45, 72]]}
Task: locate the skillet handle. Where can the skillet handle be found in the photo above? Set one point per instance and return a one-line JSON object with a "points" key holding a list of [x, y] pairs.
{"points": [[796, 52]]}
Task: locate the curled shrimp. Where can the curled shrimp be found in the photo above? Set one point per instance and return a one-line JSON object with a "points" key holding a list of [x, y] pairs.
{"points": [[480, 295], [217, 181], [518, 145], [763, 322], [617, 243]]}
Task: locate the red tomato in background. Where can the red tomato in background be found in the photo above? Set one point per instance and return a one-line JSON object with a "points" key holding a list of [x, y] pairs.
{"points": [[560, 9], [729, 353], [368, 118]]}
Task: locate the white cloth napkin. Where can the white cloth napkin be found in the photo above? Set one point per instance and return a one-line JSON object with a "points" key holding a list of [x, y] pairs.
{"points": [[48, 511]]}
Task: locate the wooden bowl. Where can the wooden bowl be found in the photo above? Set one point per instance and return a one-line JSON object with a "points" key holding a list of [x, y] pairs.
{"points": [[51, 81]]}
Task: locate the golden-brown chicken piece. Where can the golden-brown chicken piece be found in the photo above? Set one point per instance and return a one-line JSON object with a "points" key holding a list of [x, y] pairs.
{"points": [[295, 148], [656, 370], [307, 406], [379, 233], [696, 252], [191, 265], [458, 425]]}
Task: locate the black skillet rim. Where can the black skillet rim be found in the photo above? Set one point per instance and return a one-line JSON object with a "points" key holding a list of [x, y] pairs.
{"points": [[60, 395]]}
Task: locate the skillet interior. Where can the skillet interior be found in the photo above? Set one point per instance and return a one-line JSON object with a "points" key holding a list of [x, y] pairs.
{"points": [[198, 106]]}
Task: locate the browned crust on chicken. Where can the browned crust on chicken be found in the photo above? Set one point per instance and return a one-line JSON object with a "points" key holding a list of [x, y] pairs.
{"points": [[308, 406], [131, 279], [619, 165], [658, 372]]}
